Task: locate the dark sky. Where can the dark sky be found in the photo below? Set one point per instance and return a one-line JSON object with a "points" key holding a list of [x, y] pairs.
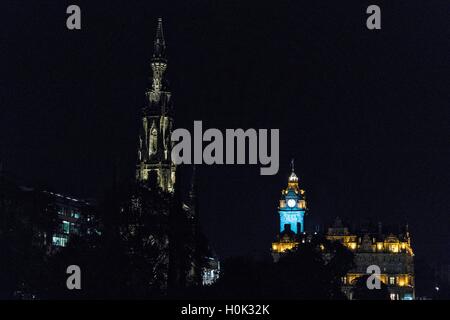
{"points": [[364, 113]]}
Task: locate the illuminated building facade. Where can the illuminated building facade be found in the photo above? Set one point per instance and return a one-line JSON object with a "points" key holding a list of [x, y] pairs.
{"points": [[74, 217], [391, 252], [155, 146], [291, 210]]}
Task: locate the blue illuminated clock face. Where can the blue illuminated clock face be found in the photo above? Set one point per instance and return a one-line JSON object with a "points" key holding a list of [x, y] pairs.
{"points": [[291, 203]]}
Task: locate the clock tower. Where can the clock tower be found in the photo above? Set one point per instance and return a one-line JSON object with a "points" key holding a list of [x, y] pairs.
{"points": [[292, 206], [292, 209]]}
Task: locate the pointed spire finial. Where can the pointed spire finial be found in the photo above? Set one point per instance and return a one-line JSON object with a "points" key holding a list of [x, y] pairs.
{"points": [[293, 177], [159, 44]]}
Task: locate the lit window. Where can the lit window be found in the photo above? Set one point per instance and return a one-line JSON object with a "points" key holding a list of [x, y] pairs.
{"points": [[391, 280], [59, 241], [393, 248], [66, 227], [75, 214], [352, 245]]}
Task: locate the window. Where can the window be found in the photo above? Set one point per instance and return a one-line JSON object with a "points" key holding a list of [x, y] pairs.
{"points": [[393, 248], [65, 227], [391, 280], [60, 241], [392, 296], [153, 141], [75, 214]]}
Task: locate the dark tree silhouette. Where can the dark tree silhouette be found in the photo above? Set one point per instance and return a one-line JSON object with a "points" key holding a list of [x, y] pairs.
{"points": [[145, 248], [312, 271], [27, 222], [362, 292]]}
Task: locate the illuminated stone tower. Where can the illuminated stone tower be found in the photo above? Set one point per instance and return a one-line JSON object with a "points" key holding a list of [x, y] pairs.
{"points": [[292, 210], [292, 205], [154, 154]]}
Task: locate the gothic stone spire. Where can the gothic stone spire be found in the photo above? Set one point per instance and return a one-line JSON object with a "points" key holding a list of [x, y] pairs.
{"points": [[154, 154], [159, 45]]}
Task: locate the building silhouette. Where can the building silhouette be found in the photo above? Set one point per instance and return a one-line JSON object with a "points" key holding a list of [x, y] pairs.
{"points": [[74, 217]]}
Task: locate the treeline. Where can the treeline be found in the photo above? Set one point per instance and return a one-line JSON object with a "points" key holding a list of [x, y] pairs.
{"points": [[141, 242]]}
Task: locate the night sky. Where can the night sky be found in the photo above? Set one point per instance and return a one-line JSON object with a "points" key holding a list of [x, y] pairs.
{"points": [[364, 113]]}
